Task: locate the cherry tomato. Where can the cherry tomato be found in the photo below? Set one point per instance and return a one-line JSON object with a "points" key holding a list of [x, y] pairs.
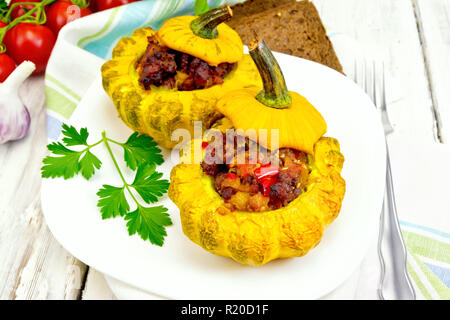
{"points": [[62, 12], [93, 6], [22, 9], [3, 24], [7, 66], [108, 4], [31, 42]]}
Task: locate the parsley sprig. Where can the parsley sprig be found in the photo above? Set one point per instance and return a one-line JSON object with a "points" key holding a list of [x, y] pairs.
{"points": [[201, 6], [141, 155]]}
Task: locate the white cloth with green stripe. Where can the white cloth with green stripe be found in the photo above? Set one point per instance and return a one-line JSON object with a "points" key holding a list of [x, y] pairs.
{"points": [[85, 44]]}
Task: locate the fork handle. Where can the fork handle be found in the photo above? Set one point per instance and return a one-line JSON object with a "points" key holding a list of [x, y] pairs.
{"points": [[394, 283]]}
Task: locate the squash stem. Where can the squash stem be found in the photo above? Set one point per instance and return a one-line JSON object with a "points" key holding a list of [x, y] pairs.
{"points": [[205, 25], [275, 93]]}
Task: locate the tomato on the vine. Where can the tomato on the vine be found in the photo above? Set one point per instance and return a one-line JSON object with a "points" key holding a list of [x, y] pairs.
{"points": [[31, 42], [62, 12], [108, 4], [20, 10], [2, 24], [7, 66], [92, 6]]}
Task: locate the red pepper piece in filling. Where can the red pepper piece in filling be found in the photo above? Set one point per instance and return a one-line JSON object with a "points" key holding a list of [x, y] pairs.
{"points": [[267, 171], [231, 176], [266, 184], [204, 144]]}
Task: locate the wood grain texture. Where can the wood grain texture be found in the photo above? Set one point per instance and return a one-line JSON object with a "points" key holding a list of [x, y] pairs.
{"points": [[387, 31], [96, 287], [433, 17], [32, 265]]}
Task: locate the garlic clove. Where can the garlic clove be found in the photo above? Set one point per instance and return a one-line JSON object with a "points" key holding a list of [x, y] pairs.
{"points": [[14, 116]]}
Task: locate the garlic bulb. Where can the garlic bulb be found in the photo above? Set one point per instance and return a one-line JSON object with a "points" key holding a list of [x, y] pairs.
{"points": [[14, 116]]}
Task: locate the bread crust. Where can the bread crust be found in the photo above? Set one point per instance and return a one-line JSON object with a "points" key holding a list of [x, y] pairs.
{"points": [[290, 27]]}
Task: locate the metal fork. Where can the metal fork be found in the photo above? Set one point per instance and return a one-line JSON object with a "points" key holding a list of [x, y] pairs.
{"points": [[394, 279]]}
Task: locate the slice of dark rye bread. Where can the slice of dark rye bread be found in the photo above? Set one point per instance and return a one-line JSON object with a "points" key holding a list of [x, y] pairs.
{"points": [[250, 7], [291, 27]]}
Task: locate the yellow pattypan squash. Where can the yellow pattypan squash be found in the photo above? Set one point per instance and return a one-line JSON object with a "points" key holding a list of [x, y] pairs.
{"points": [[204, 37], [255, 238], [298, 122], [160, 111]]}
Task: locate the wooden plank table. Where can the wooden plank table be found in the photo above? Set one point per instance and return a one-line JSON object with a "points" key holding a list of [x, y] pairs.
{"points": [[412, 37]]}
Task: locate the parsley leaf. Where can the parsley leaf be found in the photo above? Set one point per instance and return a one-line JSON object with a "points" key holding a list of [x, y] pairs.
{"points": [[141, 154], [69, 164], [140, 149], [112, 201], [88, 164], [201, 6], [66, 166], [148, 183], [149, 223], [72, 137]]}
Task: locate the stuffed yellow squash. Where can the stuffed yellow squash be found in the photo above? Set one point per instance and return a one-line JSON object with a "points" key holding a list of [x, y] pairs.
{"points": [[258, 211], [162, 81]]}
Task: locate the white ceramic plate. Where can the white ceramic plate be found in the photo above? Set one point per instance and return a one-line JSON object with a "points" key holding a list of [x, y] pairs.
{"points": [[183, 270]]}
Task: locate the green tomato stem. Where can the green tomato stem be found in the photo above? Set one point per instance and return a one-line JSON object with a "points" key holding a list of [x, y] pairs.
{"points": [[81, 3]]}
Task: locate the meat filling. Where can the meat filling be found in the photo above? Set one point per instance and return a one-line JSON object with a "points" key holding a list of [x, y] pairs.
{"points": [[162, 67], [262, 186]]}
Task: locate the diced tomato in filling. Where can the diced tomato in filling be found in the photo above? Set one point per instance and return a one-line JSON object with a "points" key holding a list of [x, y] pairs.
{"points": [[259, 187], [159, 66]]}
